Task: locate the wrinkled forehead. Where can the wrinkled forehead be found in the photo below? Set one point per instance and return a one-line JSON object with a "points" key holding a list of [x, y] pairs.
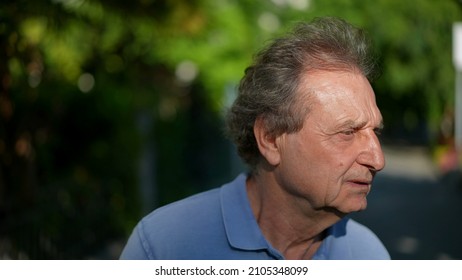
{"points": [[340, 94], [339, 84]]}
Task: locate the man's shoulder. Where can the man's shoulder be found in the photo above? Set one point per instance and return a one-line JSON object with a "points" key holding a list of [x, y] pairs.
{"points": [[359, 231], [191, 228], [178, 230], [181, 229], [187, 210], [364, 243], [348, 239]]}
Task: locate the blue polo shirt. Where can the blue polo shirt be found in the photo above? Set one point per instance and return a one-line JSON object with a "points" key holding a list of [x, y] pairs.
{"points": [[219, 224]]}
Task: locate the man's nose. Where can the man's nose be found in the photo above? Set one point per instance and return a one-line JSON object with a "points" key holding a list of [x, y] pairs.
{"points": [[371, 154]]}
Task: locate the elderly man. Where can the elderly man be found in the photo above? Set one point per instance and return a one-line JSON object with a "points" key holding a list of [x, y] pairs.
{"points": [[306, 122]]}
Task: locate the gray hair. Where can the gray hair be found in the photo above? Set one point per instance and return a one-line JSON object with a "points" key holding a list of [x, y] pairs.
{"points": [[270, 85]]}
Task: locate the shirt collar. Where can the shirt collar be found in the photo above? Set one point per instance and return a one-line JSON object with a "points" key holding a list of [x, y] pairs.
{"points": [[241, 227]]}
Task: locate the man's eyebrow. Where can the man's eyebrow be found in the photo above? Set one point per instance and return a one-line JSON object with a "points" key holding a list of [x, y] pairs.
{"points": [[353, 124]]}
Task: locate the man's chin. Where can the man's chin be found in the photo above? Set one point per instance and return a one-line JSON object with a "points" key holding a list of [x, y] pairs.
{"points": [[361, 207], [357, 207], [347, 209]]}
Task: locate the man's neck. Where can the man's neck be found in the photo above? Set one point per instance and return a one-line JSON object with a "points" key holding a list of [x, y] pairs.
{"points": [[289, 223]]}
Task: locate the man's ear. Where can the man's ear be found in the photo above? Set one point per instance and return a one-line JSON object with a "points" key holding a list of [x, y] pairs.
{"points": [[267, 143]]}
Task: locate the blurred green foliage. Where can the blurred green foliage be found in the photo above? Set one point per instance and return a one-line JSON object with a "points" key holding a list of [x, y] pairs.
{"points": [[98, 96]]}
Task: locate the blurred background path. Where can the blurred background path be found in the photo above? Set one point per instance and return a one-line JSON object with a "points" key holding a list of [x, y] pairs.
{"points": [[415, 211]]}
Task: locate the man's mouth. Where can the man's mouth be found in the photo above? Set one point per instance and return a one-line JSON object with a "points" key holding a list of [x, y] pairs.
{"points": [[362, 182]]}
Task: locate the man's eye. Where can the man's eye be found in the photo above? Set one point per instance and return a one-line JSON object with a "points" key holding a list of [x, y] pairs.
{"points": [[348, 132]]}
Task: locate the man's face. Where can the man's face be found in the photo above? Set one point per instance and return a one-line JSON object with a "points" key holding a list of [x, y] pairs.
{"points": [[332, 160]]}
